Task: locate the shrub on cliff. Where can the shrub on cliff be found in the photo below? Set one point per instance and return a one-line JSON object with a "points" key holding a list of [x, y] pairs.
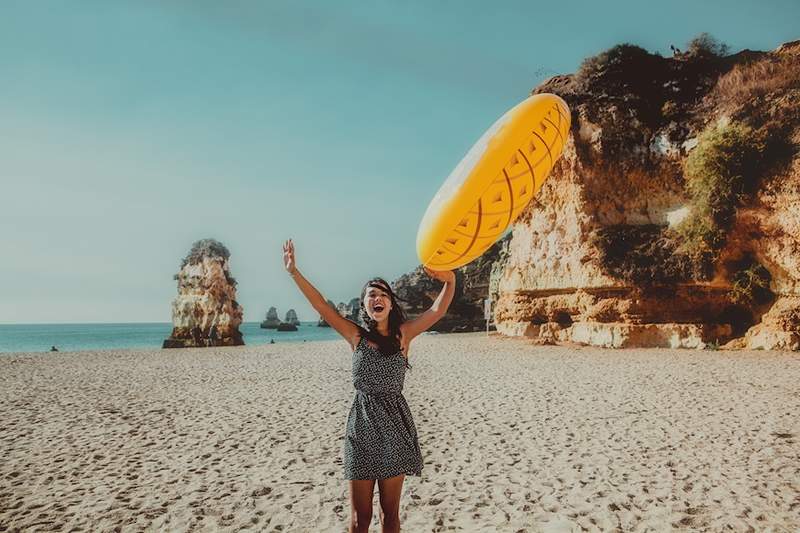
{"points": [[706, 46], [765, 93], [647, 256], [723, 169], [750, 283], [752, 80], [624, 89], [205, 248], [721, 172], [619, 70]]}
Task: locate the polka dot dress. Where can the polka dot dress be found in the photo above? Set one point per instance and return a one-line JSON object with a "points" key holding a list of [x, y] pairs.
{"points": [[381, 439]]}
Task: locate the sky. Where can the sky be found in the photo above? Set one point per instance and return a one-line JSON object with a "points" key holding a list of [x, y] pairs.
{"points": [[129, 130]]}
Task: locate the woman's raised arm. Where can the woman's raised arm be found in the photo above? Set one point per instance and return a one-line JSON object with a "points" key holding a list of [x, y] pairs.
{"points": [[344, 327], [412, 328]]}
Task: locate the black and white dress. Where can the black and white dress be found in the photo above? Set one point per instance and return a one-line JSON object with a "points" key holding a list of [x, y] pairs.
{"points": [[381, 439]]}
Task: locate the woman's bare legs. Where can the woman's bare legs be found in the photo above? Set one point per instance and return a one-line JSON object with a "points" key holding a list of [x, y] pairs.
{"points": [[361, 491], [390, 490]]}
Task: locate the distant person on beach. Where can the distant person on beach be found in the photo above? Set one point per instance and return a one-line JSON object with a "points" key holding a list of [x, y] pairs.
{"points": [[53, 349], [381, 441]]}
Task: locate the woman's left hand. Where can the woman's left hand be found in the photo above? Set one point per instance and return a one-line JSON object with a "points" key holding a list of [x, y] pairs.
{"points": [[445, 276]]}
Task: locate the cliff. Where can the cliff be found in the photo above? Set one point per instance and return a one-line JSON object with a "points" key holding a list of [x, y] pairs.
{"points": [[418, 291], [672, 219], [205, 312]]}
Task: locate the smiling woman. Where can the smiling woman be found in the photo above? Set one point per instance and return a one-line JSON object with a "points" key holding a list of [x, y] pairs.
{"points": [[381, 442], [378, 302]]}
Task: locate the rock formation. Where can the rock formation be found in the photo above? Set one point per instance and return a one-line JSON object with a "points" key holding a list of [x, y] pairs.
{"points": [[271, 321], [418, 291], [286, 326], [353, 310], [205, 312], [348, 310], [291, 318], [673, 218], [342, 309], [321, 322]]}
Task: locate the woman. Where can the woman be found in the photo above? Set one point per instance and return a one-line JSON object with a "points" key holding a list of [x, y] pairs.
{"points": [[381, 440]]}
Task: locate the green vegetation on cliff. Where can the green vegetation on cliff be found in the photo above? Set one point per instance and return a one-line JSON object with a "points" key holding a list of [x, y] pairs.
{"points": [[721, 173]]}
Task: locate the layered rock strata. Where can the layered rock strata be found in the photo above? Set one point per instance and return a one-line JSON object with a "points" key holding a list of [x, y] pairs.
{"points": [[205, 311], [598, 257]]}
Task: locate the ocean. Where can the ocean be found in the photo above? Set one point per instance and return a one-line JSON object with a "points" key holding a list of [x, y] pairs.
{"points": [[75, 337]]}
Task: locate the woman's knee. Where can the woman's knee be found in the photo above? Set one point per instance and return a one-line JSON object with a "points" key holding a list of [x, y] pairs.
{"points": [[390, 517], [361, 504], [361, 518]]}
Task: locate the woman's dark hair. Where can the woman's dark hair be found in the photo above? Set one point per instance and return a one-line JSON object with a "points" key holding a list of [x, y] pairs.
{"points": [[390, 344]]}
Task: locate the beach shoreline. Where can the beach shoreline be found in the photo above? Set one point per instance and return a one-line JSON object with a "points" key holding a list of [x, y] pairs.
{"points": [[84, 337], [514, 437]]}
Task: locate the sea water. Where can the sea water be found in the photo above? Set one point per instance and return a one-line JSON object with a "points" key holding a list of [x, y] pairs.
{"points": [[74, 337]]}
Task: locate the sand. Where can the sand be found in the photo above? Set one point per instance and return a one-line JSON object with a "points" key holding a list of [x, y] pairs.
{"points": [[515, 437]]}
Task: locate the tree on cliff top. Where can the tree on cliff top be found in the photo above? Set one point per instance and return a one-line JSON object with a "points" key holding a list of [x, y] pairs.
{"points": [[706, 45], [205, 248], [625, 68]]}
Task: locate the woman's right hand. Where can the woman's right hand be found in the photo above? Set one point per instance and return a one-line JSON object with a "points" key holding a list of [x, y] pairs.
{"points": [[445, 276], [288, 257]]}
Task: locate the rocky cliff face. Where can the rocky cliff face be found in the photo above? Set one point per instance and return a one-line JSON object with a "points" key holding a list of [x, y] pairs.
{"points": [[673, 218], [205, 312], [418, 291]]}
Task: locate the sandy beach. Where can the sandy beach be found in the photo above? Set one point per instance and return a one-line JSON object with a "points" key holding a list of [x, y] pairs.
{"points": [[515, 437]]}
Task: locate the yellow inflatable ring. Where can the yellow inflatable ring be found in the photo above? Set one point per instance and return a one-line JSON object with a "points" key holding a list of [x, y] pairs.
{"points": [[494, 182]]}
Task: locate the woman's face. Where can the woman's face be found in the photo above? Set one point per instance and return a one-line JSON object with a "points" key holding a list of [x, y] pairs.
{"points": [[378, 303]]}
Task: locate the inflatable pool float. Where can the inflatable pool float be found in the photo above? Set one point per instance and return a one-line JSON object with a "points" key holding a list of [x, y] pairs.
{"points": [[494, 182]]}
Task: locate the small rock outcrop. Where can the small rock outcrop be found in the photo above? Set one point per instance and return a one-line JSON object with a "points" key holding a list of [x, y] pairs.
{"points": [[271, 321], [418, 291], [349, 310], [205, 312], [353, 310], [321, 322], [291, 318]]}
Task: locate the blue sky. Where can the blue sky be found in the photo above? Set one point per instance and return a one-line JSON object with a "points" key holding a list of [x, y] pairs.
{"points": [[131, 129]]}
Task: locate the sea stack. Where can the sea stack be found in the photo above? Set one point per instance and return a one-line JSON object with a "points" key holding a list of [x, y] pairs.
{"points": [[322, 323], [291, 322], [291, 317], [205, 312], [271, 321]]}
